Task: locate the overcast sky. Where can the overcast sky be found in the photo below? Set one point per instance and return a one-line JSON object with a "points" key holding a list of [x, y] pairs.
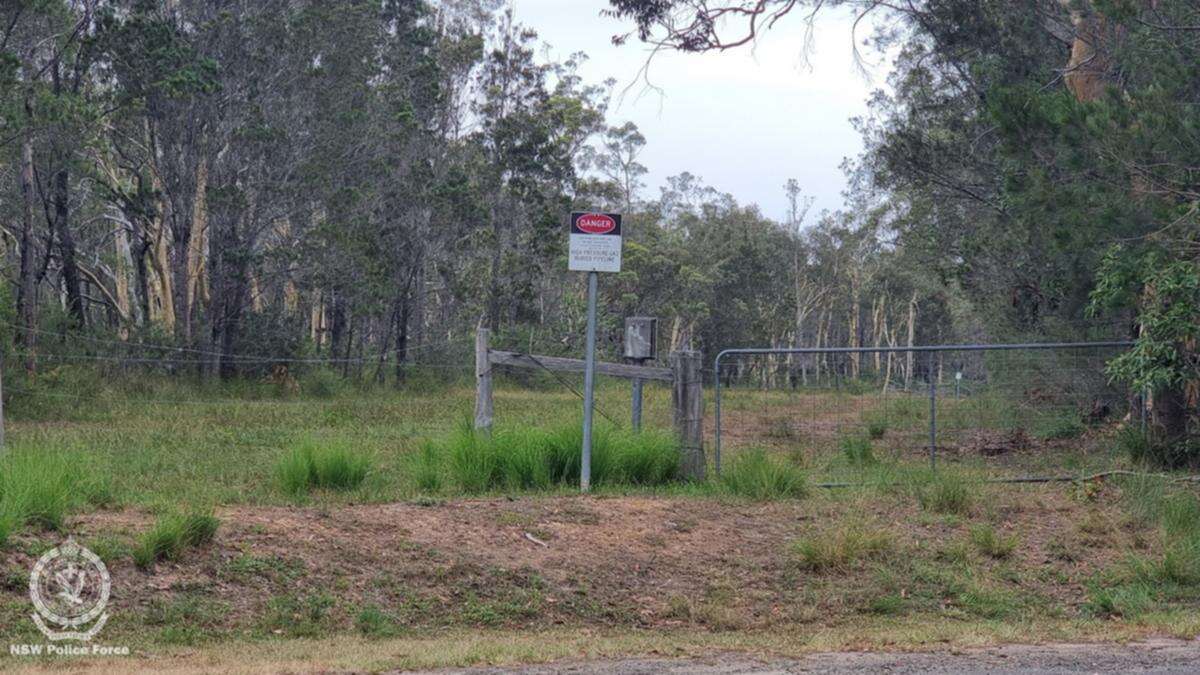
{"points": [[745, 121]]}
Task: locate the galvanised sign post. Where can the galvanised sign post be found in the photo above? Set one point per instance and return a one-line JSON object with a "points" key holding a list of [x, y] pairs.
{"points": [[595, 247]]}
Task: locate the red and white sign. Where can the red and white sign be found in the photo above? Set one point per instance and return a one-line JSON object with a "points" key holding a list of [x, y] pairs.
{"points": [[595, 242], [596, 223]]}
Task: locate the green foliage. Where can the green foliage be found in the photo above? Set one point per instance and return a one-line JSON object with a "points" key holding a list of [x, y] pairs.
{"points": [[857, 450], [1169, 316], [306, 616], [523, 458], [172, 535], [1135, 444], [313, 465], [991, 543], [945, 493], [842, 549], [37, 487], [373, 622], [754, 474], [876, 428], [1060, 427]]}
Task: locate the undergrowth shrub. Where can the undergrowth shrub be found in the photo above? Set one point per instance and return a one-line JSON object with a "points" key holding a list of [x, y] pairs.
{"points": [[172, 535], [754, 474], [533, 459], [333, 466]]}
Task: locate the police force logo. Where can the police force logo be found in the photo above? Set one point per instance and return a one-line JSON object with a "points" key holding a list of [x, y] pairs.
{"points": [[69, 587]]}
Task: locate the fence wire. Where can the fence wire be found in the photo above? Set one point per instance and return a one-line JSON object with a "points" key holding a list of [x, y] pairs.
{"points": [[1020, 407]]}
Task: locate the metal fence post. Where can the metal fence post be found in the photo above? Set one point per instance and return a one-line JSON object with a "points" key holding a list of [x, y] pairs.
{"points": [[717, 423], [637, 404], [932, 415]]}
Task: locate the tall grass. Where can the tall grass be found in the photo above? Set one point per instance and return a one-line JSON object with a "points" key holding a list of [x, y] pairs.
{"points": [[754, 474], [38, 489], [532, 459], [312, 465]]}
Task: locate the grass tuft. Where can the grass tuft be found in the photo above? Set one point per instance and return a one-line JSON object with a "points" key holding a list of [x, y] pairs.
{"points": [[756, 475], [857, 450], [991, 543], [322, 466], [172, 535], [843, 549], [36, 488], [945, 494]]}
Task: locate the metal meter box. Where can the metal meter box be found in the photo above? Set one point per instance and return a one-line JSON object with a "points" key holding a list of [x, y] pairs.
{"points": [[641, 338]]}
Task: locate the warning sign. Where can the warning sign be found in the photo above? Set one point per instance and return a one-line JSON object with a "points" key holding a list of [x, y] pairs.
{"points": [[595, 242]]}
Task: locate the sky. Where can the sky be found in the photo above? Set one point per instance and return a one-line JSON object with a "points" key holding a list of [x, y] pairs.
{"points": [[745, 121]]}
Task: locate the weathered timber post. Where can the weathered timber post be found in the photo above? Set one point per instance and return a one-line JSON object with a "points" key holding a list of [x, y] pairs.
{"points": [[637, 404], [687, 398], [1, 403], [483, 380]]}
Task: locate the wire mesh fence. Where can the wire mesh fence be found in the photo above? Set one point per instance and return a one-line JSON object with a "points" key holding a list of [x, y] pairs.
{"points": [[1018, 405]]}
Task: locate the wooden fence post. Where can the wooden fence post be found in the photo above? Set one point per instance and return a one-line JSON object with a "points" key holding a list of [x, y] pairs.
{"points": [[687, 398], [483, 380]]}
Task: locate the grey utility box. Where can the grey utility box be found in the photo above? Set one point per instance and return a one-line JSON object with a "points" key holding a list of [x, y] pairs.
{"points": [[641, 338]]}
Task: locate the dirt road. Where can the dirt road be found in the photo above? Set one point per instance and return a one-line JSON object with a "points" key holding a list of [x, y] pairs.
{"points": [[1165, 657]]}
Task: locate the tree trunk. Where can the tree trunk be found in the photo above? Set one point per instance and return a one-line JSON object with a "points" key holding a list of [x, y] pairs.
{"points": [[66, 246], [27, 288]]}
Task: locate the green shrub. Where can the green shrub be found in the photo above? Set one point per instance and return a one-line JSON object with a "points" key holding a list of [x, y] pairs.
{"points": [[756, 475], [331, 466], [946, 494], [992, 544], [172, 535], [857, 450]]}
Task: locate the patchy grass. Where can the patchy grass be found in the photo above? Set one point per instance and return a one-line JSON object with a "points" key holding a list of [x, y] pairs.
{"points": [[945, 493]]}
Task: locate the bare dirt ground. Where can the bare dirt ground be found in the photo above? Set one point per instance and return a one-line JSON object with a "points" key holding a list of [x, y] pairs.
{"points": [[636, 562], [1165, 657]]}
